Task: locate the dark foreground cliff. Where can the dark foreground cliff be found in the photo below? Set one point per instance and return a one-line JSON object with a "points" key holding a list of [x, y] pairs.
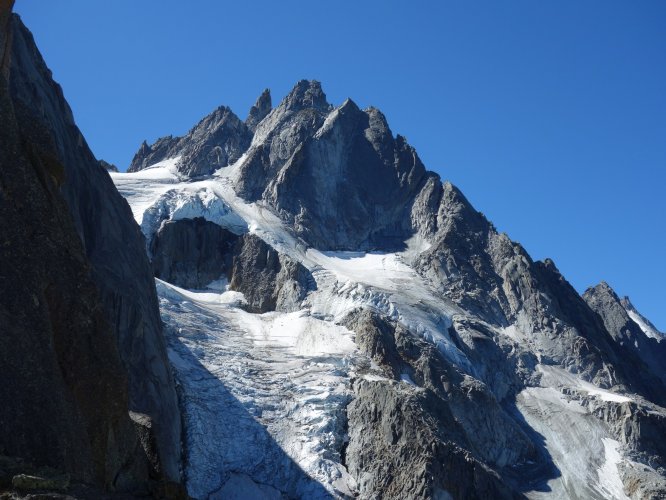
{"points": [[112, 242], [80, 342]]}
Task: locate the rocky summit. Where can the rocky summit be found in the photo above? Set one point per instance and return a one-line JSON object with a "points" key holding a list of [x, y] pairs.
{"points": [[293, 306]]}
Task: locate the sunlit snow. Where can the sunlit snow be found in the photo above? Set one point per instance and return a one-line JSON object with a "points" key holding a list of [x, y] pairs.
{"points": [[647, 329]]}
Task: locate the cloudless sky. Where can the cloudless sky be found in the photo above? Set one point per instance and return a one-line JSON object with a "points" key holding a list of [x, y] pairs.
{"points": [[549, 115]]}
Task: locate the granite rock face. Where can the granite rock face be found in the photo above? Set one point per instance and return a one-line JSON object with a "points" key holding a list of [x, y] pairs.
{"points": [[270, 281], [217, 141], [485, 272], [111, 241], [338, 175], [64, 394], [429, 438], [192, 253]]}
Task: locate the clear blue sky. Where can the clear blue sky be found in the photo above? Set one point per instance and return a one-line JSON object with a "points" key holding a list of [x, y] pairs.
{"points": [[549, 115]]}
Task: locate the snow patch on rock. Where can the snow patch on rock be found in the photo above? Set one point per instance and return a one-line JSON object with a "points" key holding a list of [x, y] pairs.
{"points": [[555, 376], [643, 325]]}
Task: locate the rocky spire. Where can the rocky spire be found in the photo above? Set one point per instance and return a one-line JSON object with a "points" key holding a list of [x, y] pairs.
{"points": [[260, 109], [140, 156], [306, 94]]}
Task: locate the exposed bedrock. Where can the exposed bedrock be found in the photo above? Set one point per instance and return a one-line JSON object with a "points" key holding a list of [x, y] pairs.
{"points": [[260, 110], [494, 278], [269, 280], [216, 141], [111, 241], [412, 433], [338, 175], [192, 253], [63, 396], [443, 426]]}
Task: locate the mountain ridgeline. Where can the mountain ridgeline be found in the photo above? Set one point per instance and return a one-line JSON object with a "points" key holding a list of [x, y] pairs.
{"points": [[524, 346]]}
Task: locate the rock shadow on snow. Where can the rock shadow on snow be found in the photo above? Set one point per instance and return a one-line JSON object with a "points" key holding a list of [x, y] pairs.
{"points": [[532, 477], [228, 452]]}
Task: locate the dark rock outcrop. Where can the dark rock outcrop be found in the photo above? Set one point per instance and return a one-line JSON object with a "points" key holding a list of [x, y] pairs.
{"points": [[111, 242], [268, 280], [63, 397], [191, 253]]}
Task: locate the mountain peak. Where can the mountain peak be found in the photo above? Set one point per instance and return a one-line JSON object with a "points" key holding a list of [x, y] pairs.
{"points": [[259, 110], [307, 94], [605, 290], [217, 118], [218, 140], [348, 103]]}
